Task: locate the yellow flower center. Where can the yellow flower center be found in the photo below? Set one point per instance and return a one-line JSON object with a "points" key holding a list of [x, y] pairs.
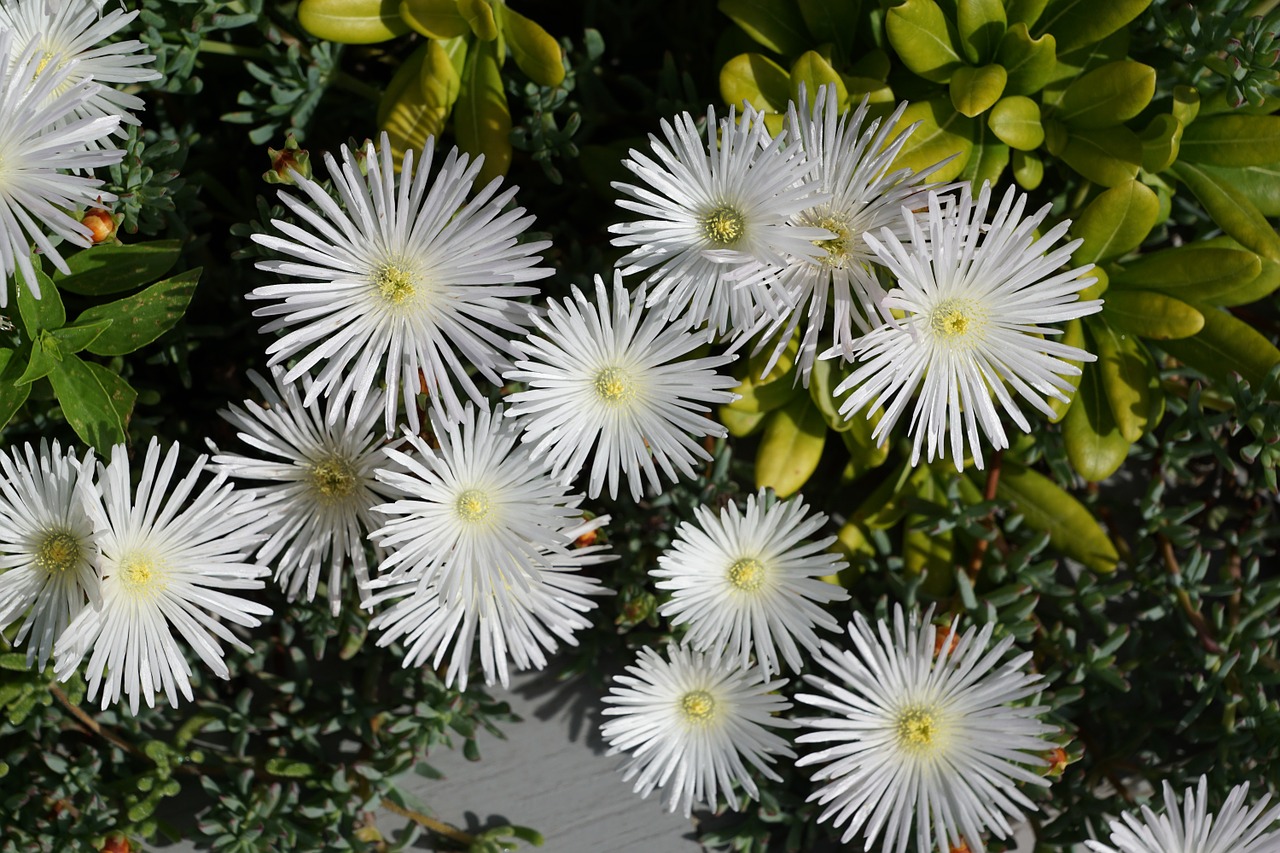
{"points": [[918, 730], [746, 574], [723, 226], [332, 479], [140, 574], [613, 385], [472, 506], [698, 706], [58, 552], [837, 248], [394, 285], [957, 318]]}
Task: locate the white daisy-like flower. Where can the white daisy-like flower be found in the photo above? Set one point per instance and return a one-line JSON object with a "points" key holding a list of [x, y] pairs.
{"points": [[67, 31], [166, 564], [322, 487], [411, 283], [923, 730], [693, 724], [1234, 828], [849, 162], [517, 628], [714, 212], [973, 298], [747, 582], [615, 378], [42, 148], [48, 558]]}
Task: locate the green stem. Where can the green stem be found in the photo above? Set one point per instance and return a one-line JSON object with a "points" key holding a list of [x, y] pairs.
{"points": [[438, 827]]}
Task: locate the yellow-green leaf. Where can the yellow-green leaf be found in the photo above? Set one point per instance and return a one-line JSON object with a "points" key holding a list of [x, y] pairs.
{"points": [[1072, 336], [1046, 506], [924, 39], [1233, 140], [1109, 156], [791, 447], [1186, 104], [776, 24], [404, 112], [534, 49], [480, 18], [1095, 447], [482, 120], [437, 19], [865, 452], [980, 25], [1224, 345], [814, 72], [1109, 95], [833, 21], [739, 423], [1028, 169], [1198, 273], [987, 160], [1259, 184], [1152, 315], [139, 319], [942, 133], [1025, 12], [1161, 142], [1233, 212], [974, 90], [352, 21], [757, 80], [1115, 223], [1029, 62], [1077, 23], [1015, 121], [1124, 367]]}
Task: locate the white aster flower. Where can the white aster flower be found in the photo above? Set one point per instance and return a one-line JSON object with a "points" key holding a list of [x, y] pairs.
{"points": [[923, 730], [521, 628], [47, 552], [166, 564], [746, 582], [42, 145], [1193, 829], [614, 378], [67, 31], [849, 164], [411, 283], [322, 487], [713, 213], [972, 298], [689, 723]]}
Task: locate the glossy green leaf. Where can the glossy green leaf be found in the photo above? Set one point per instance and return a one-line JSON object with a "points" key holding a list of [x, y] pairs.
{"points": [[1109, 156], [826, 375], [1015, 121], [757, 397], [95, 402], [139, 319], [875, 91], [535, 50], [43, 313], [1025, 12], [988, 159], [352, 21], [1262, 286], [481, 118], [12, 394], [1152, 315], [1076, 23], [1115, 223], [1029, 62], [404, 112], [865, 452], [1028, 169], [435, 19], [1072, 336], [942, 133], [739, 423], [1046, 506], [1224, 345], [791, 447], [1109, 95], [1199, 273], [1161, 142], [835, 21], [975, 90], [924, 39], [480, 18], [1095, 447], [776, 24], [1186, 104], [79, 336], [1233, 140], [757, 80], [980, 25], [44, 355], [1233, 212], [814, 72], [107, 268], [1123, 367], [1259, 184], [1073, 64]]}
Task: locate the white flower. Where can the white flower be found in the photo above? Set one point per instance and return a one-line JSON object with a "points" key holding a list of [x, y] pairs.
{"points": [[520, 628], [923, 730], [614, 378], [411, 283], [42, 146], [322, 485], [848, 163], [67, 31], [1193, 829], [47, 551], [712, 213], [973, 297], [688, 725], [165, 564], [746, 582]]}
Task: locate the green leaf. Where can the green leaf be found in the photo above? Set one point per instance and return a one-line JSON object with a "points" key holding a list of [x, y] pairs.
{"points": [[924, 39], [988, 159], [1109, 156], [1259, 184], [826, 375], [1124, 368], [1225, 345], [107, 268], [791, 447], [12, 395], [776, 24], [1191, 272], [481, 119], [1045, 506], [1152, 315], [536, 52], [44, 357], [1025, 12], [1016, 122], [1161, 142], [974, 90], [833, 20], [1233, 140], [980, 25], [435, 19], [1077, 23], [942, 133], [480, 18], [1072, 336], [1028, 169], [1186, 104], [1095, 447], [1115, 223], [1233, 212], [740, 424], [1265, 284], [815, 72], [78, 336], [43, 313], [1029, 62], [757, 80], [289, 769], [865, 452], [352, 21], [1109, 95], [139, 319], [95, 401]]}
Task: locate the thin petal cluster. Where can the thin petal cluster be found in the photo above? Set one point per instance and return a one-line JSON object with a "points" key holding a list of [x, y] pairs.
{"points": [[615, 379], [746, 582], [695, 726], [972, 296], [407, 283], [1192, 828], [922, 737]]}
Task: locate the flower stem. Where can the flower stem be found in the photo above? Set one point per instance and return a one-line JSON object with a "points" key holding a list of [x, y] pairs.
{"points": [[438, 827]]}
